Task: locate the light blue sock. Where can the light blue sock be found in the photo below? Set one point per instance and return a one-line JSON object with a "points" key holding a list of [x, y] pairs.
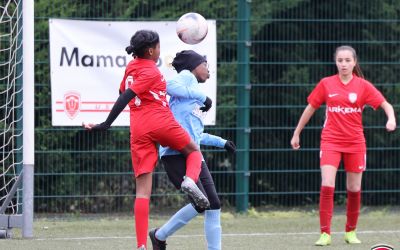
{"points": [[212, 228], [178, 220]]}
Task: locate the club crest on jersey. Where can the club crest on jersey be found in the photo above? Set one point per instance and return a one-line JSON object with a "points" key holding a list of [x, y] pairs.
{"points": [[353, 97], [72, 103]]}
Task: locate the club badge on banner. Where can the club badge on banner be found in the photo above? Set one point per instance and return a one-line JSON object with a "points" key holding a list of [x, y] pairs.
{"points": [[88, 60]]}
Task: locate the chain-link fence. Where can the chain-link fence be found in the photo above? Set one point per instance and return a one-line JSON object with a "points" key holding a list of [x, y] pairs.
{"points": [[289, 47]]}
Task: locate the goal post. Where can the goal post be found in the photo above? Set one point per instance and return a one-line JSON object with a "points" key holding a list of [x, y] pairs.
{"points": [[16, 117], [28, 116]]}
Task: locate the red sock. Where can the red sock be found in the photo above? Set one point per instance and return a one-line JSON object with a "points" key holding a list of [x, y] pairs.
{"points": [[326, 208], [141, 220], [193, 165], [353, 209]]}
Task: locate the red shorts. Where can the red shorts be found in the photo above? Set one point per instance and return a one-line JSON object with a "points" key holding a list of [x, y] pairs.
{"points": [[144, 148], [353, 162]]}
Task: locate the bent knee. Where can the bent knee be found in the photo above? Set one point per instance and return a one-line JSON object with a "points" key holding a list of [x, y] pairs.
{"points": [[354, 188]]}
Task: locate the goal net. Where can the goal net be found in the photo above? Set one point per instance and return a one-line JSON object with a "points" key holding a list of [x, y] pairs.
{"points": [[12, 138]]}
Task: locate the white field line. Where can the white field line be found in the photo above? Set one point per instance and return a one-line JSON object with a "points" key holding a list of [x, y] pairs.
{"points": [[223, 235]]}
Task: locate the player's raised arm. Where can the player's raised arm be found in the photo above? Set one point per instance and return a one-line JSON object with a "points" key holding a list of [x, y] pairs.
{"points": [[186, 64], [119, 105], [177, 89]]}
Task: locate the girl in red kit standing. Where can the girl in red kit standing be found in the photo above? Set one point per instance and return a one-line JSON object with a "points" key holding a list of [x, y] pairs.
{"points": [[151, 122], [345, 95]]}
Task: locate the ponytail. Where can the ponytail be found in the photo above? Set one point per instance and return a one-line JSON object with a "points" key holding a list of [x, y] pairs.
{"points": [[357, 70], [141, 41], [129, 49]]}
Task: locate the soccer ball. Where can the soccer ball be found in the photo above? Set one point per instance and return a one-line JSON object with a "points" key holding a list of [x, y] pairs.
{"points": [[191, 28]]}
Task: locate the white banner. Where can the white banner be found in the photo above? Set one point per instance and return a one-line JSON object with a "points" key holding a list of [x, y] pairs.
{"points": [[88, 59]]}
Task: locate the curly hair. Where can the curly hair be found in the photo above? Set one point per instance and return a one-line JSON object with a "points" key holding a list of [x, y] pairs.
{"points": [[141, 41]]}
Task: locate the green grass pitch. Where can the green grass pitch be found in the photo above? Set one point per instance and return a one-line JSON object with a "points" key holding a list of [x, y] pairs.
{"points": [[274, 229]]}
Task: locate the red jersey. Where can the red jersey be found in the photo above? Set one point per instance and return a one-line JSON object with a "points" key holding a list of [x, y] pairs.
{"points": [[149, 110], [343, 130]]}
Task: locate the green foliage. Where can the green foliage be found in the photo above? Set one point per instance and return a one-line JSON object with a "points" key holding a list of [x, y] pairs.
{"points": [[292, 46], [291, 67]]}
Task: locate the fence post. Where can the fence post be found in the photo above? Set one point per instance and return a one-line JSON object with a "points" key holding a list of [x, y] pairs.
{"points": [[243, 102]]}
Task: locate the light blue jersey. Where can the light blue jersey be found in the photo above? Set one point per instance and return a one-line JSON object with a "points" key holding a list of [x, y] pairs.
{"points": [[186, 100]]}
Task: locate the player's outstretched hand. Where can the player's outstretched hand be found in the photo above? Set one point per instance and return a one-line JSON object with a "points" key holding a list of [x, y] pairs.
{"points": [[88, 126], [95, 127], [390, 125], [207, 105], [295, 142], [230, 147]]}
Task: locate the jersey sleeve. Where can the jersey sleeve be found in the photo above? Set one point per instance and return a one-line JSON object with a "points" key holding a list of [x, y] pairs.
{"points": [[177, 87], [372, 96], [144, 82], [317, 96], [212, 140], [122, 85]]}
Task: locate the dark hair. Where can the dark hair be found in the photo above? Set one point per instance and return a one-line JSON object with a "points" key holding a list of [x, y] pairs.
{"points": [[357, 70], [141, 41]]}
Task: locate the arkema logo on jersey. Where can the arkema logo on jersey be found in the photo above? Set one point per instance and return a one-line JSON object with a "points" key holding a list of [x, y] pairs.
{"points": [[344, 110]]}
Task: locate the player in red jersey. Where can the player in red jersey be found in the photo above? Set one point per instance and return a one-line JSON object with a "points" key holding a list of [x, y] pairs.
{"points": [[152, 123], [345, 95]]}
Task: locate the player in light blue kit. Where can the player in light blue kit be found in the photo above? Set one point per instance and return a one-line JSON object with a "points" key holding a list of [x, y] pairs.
{"points": [[188, 104]]}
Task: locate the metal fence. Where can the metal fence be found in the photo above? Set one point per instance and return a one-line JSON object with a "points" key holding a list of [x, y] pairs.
{"points": [[270, 56]]}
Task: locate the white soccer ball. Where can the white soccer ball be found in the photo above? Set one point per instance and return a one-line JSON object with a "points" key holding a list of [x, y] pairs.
{"points": [[191, 28]]}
